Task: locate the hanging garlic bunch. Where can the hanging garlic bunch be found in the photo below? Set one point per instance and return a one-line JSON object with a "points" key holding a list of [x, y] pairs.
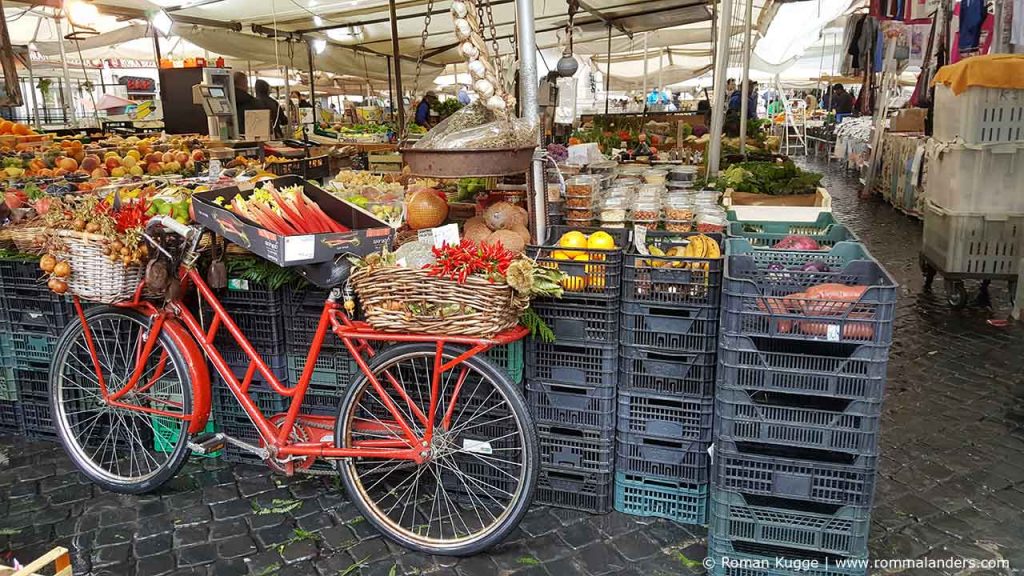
{"points": [[473, 48]]}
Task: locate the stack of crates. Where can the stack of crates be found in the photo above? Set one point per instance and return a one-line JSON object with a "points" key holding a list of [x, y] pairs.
{"points": [[802, 366], [33, 318], [571, 382], [669, 339]]}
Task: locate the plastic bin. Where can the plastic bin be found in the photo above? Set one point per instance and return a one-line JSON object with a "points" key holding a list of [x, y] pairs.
{"points": [[20, 273], [594, 364], [579, 322], [35, 310], [331, 371], [673, 373], [595, 275], [574, 489], [972, 243], [646, 496], [826, 231], [671, 281], [572, 405], [856, 372], [801, 421], [785, 474], [683, 460], [979, 115], [10, 417], [31, 348], [826, 528], [312, 168], [509, 358], [8, 385], [668, 417], [667, 329], [569, 448], [984, 180], [33, 381], [266, 399], [741, 558], [760, 287], [37, 418]]}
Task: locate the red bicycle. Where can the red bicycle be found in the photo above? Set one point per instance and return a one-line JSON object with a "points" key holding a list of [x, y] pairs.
{"points": [[433, 442]]}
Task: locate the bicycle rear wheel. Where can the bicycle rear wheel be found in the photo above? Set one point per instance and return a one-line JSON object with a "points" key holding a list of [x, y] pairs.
{"points": [[478, 481], [121, 449]]}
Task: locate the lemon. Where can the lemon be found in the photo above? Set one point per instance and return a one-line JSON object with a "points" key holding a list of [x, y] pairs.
{"points": [[601, 240], [573, 239]]}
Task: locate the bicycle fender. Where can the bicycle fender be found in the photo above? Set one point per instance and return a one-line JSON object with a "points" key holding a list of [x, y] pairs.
{"points": [[198, 373]]}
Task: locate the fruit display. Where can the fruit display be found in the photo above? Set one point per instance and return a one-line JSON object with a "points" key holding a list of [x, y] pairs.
{"points": [[425, 208], [286, 212], [576, 247], [697, 246], [502, 224]]}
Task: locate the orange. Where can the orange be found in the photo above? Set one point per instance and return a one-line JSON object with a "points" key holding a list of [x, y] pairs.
{"points": [[6, 126], [21, 130]]}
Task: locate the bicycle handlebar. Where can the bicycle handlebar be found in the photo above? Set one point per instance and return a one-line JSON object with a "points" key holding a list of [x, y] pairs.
{"points": [[171, 224]]}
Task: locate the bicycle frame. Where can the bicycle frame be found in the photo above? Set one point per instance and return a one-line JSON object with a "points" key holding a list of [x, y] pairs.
{"points": [[356, 336]]}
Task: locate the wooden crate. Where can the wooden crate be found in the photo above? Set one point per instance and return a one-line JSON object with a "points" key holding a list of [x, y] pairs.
{"points": [[58, 558]]}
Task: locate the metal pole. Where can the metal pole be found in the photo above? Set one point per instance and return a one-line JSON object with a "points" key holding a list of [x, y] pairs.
{"points": [[69, 108], [312, 81], [528, 86], [718, 106], [396, 53], [608, 70], [32, 90], [645, 67], [288, 96], [391, 92], [745, 89]]}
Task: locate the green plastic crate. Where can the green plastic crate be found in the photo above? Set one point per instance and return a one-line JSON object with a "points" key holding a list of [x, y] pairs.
{"points": [[509, 357], [166, 432], [639, 495], [825, 230]]}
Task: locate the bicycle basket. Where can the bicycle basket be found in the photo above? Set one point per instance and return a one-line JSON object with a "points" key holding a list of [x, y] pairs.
{"points": [[94, 276], [397, 299]]}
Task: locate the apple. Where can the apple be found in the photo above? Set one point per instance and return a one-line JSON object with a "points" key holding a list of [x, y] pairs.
{"points": [[113, 162], [154, 168], [90, 163], [99, 173], [129, 161], [172, 167], [181, 157], [154, 157], [198, 155], [110, 154], [136, 170], [168, 157], [118, 171], [134, 154], [67, 164]]}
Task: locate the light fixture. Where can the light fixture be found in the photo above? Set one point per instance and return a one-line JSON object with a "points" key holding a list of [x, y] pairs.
{"points": [[81, 13], [162, 22], [32, 47], [319, 45], [344, 33], [318, 21]]}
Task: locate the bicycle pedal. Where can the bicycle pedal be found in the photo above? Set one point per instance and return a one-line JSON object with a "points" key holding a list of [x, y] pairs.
{"points": [[207, 442]]}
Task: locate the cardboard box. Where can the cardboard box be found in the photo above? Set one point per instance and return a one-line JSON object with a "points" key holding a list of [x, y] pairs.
{"points": [[368, 234], [908, 120]]}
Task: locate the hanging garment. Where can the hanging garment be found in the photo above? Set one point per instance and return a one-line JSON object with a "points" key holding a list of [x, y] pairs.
{"points": [[1017, 23], [972, 15]]}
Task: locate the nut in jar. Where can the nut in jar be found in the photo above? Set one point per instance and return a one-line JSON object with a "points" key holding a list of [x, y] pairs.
{"points": [[577, 214]]}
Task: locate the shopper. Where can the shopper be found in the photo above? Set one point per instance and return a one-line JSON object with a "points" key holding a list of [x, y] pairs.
{"points": [[243, 100], [423, 109], [842, 101], [264, 101], [736, 100]]}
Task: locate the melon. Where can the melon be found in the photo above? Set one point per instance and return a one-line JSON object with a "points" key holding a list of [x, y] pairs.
{"points": [[425, 209]]}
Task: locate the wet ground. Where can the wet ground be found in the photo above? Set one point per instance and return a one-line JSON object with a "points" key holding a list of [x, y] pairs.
{"points": [[951, 479]]}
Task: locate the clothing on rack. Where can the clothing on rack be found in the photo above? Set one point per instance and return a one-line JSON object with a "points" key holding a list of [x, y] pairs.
{"points": [[972, 15]]}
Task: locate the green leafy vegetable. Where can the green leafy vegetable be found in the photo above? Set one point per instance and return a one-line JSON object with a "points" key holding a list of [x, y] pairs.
{"points": [[536, 325], [773, 178]]}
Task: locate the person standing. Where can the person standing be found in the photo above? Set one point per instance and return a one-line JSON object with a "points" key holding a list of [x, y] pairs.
{"points": [[264, 101], [422, 117], [243, 100]]}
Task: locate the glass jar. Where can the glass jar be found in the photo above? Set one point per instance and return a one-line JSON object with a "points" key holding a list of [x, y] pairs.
{"points": [[655, 177], [603, 167], [580, 187], [683, 174], [579, 213]]}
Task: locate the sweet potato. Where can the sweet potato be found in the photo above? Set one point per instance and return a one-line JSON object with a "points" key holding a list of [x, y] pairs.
{"points": [[850, 330], [832, 299]]}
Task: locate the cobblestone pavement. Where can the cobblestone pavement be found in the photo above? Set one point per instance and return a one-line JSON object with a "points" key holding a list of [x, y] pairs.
{"points": [[951, 482]]}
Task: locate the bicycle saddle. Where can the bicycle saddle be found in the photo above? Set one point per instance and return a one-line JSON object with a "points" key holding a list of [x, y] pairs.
{"points": [[327, 274]]}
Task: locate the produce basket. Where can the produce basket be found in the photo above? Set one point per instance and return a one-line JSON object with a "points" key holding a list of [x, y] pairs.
{"points": [[842, 295], [28, 238], [682, 275], [94, 276], [398, 299]]}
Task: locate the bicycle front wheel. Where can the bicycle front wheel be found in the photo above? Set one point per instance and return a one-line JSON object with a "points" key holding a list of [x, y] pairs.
{"points": [[478, 481], [120, 448]]}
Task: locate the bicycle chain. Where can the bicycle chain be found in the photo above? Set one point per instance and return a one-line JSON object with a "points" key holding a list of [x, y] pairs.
{"points": [[423, 49]]}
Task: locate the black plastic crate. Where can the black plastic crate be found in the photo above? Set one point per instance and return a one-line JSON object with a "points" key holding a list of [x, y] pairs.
{"points": [[20, 274], [246, 296], [680, 501], [592, 274], [853, 371], [312, 168], [801, 421], [36, 310], [37, 418], [572, 405], [765, 294], [265, 398], [33, 381], [673, 373], [742, 558], [809, 526], [10, 417], [303, 306], [680, 329], [263, 327], [31, 348], [671, 280], [332, 371], [594, 364], [793, 473], [8, 384], [663, 416], [575, 489], [579, 322], [569, 448], [684, 460]]}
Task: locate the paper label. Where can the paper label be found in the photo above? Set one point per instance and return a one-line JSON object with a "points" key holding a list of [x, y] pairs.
{"points": [[832, 333], [299, 247], [477, 446], [640, 239], [238, 284], [438, 237], [215, 169]]}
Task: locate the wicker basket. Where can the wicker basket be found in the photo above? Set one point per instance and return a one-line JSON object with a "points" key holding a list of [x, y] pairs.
{"points": [[25, 237], [93, 276], [390, 295]]}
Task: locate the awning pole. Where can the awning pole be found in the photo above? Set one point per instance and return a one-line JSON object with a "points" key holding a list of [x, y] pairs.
{"points": [[32, 91], [391, 91], [288, 108], [528, 86], [67, 102], [745, 89], [396, 53], [608, 70], [721, 69], [645, 67]]}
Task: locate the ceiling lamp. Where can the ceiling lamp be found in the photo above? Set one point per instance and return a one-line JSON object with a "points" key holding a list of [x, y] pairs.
{"points": [[81, 13], [567, 64], [319, 45], [344, 33]]}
